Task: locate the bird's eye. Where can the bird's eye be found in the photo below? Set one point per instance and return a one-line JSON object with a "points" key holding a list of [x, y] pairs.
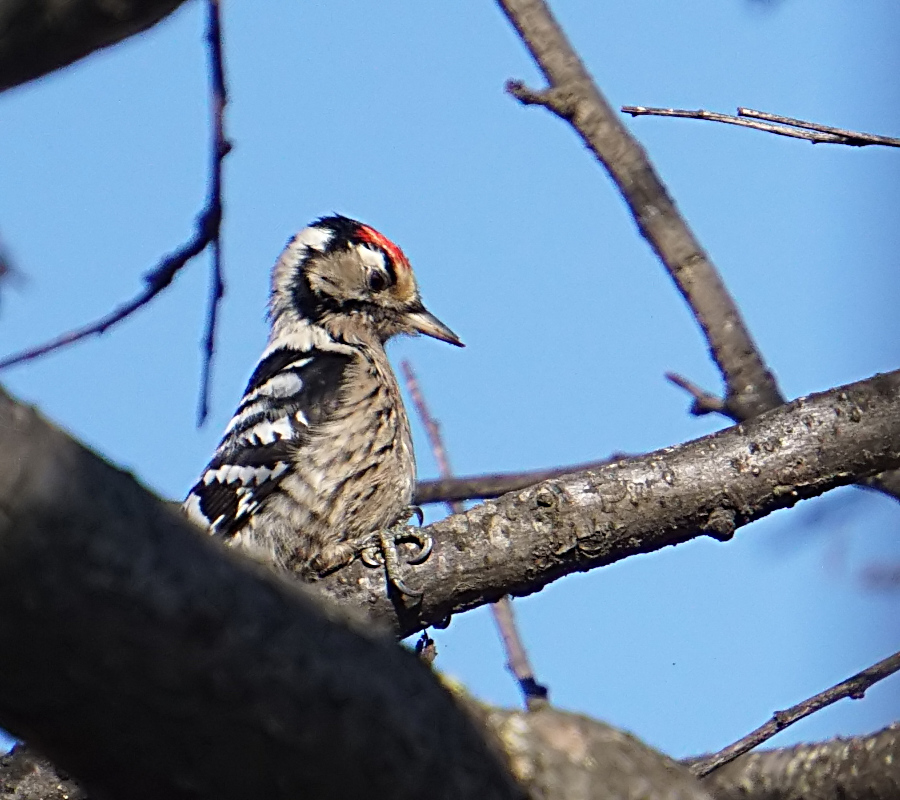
{"points": [[377, 281]]}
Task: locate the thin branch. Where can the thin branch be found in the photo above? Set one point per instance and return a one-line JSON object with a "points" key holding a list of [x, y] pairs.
{"points": [[781, 126], [155, 281], [517, 660], [704, 402], [854, 688], [856, 137], [843, 768], [573, 96], [207, 232], [485, 487], [220, 148]]}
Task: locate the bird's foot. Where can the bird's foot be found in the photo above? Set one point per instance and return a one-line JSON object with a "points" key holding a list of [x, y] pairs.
{"points": [[382, 550]]}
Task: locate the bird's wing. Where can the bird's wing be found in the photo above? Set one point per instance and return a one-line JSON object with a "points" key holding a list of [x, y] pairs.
{"points": [[290, 392]]}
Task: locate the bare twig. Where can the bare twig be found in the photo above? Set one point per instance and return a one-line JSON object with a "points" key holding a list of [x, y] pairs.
{"points": [[854, 688], [534, 693], [206, 233], [220, 148], [842, 768], [573, 96], [486, 487], [774, 123], [704, 402], [155, 281]]}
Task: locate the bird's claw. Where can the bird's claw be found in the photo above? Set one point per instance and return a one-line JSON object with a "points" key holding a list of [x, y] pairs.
{"points": [[382, 550]]}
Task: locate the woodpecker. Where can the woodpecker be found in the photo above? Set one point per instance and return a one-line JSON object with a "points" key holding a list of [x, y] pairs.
{"points": [[318, 458]]}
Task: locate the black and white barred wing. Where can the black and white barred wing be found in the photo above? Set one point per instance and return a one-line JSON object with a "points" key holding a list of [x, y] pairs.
{"points": [[289, 394]]}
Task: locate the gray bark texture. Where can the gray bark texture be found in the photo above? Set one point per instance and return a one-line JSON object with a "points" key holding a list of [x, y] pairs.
{"points": [[708, 487], [860, 768], [40, 36], [152, 662]]}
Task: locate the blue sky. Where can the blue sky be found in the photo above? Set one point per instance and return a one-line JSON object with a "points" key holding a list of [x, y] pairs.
{"points": [[394, 113]]}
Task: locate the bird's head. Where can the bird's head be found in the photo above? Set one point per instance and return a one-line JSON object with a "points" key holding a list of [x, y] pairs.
{"points": [[349, 278]]}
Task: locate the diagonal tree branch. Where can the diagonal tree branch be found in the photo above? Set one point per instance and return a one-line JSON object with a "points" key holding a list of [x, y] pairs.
{"points": [[575, 98], [710, 486], [750, 387], [857, 768], [854, 688], [151, 662]]}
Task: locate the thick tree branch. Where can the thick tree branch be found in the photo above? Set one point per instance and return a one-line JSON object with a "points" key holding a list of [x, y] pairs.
{"points": [[750, 388], [40, 36], [573, 96], [710, 486], [859, 768], [152, 662]]}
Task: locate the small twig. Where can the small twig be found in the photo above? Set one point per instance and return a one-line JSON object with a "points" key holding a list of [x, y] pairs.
{"points": [[881, 577], [485, 487], [781, 126], [857, 138], [704, 402], [535, 694], [220, 148], [155, 281], [854, 688], [206, 233]]}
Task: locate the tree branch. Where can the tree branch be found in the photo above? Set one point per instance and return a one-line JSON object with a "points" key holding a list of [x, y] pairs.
{"points": [[854, 688], [710, 486], [773, 123], [858, 768], [483, 487], [534, 694], [152, 662], [574, 97], [40, 36], [207, 233]]}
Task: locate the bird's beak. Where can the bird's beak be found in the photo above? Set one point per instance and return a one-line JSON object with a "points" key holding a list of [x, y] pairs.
{"points": [[425, 322]]}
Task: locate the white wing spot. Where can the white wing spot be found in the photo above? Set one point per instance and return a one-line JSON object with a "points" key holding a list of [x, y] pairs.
{"points": [[191, 507], [267, 432]]}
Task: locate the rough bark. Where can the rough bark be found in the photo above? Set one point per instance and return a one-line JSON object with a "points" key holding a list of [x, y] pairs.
{"points": [[711, 486], [860, 768], [151, 662], [40, 36], [557, 755]]}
